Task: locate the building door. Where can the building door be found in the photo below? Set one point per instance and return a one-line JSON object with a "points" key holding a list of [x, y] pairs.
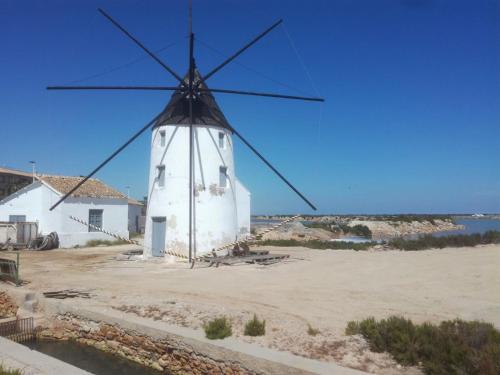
{"points": [[158, 236]]}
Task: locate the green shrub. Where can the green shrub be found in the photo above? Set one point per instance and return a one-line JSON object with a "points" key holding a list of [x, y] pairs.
{"points": [[452, 347], [361, 230], [458, 240], [5, 371], [312, 331], [218, 328], [255, 327]]}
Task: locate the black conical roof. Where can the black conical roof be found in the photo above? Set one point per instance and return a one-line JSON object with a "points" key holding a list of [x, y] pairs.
{"points": [[177, 111]]}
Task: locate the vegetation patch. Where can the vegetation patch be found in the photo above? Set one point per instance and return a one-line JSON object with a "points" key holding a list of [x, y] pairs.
{"points": [[321, 245], [94, 243], [459, 240], [452, 347], [6, 371], [358, 230], [218, 328], [255, 327], [312, 331]]}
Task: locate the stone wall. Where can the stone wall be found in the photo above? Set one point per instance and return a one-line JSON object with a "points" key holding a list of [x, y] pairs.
{"points": [[167, 354], [8, 308]]}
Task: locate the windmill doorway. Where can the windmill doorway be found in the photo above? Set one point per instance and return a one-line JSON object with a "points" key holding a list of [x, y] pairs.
{"points": [[158, 236]]}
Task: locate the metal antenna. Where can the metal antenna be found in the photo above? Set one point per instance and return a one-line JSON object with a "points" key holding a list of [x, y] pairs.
{"points": [[190, 17]]}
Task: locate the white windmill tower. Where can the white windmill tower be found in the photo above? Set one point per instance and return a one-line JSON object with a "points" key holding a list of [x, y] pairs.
{"points": [[221, 204], [195, 201]]}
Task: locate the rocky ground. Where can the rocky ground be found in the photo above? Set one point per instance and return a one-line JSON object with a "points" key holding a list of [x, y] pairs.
{"points": [[381, 229], [389, 229], [298, 231]]}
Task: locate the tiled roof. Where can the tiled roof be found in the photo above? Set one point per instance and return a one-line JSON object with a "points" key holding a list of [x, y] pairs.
{"points": [[92, 188]]}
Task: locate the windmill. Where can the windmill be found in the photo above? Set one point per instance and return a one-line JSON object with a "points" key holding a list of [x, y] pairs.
{"points": [[191, 116]]}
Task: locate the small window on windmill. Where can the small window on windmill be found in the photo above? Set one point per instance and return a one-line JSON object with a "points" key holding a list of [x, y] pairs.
{"points": [[223, 177], [161, 175], [221, 140], [162, 138]]}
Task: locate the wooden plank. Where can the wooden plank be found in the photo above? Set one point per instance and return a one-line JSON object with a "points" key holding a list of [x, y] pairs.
{"points": [[259, 259]]}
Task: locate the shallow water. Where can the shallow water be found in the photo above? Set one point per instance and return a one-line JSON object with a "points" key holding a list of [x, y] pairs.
{"points": [[473, 226], [90, 359]]}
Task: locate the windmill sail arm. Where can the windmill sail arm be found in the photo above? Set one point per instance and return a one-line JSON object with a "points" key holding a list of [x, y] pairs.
{"points": [[261, 157], [136, 41], [241, 50], [153, 88], [269, 95]]}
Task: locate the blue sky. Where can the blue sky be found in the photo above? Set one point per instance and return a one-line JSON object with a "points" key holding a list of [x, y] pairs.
{"points": [[411, 121]]}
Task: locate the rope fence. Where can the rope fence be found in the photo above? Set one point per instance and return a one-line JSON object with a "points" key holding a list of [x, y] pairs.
{"points": [[180, 255]]}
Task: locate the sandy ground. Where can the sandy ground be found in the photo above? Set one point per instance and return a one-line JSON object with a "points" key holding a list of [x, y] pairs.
{"points": [[323, 289]]}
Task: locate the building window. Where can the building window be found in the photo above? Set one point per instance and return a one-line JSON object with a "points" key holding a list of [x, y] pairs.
{"points": [[223, 177], [162, 138], [17, 218], [95, 218], [161, 175], [221, 140]]}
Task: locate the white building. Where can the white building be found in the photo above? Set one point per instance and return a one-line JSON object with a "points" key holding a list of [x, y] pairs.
{"points": [[94, 202], [221, 203], [135, 216]]}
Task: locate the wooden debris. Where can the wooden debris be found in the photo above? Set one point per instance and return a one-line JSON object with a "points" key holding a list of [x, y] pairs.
{"points": [[67, 293], [261, 257]]}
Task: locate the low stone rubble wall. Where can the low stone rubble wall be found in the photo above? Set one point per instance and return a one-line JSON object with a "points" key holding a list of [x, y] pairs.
{"points": [[168, 353], [8, 307]]}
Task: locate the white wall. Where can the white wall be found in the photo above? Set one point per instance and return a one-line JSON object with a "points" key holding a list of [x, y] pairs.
{"points": [[26, 201], [216, 216], [243, 208], [35, 201]]}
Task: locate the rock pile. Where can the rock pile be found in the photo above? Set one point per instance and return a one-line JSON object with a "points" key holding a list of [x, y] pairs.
{"points": [[167, 354], [386, 229], [297, 231], [8, 308]]}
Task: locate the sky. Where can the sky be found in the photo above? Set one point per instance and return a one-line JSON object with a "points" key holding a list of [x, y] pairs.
{"points": [[411, 121]]}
